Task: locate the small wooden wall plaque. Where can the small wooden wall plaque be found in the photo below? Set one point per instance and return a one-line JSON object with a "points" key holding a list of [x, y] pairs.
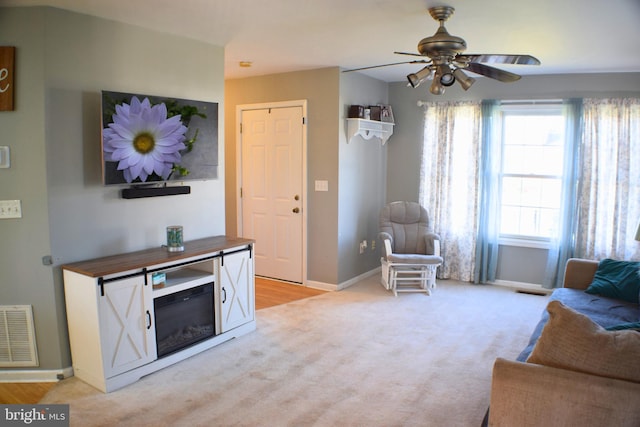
{"points": [[7, 58]]}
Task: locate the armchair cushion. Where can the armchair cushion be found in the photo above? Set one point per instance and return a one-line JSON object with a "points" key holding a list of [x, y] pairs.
{"points": [[414, 259]]}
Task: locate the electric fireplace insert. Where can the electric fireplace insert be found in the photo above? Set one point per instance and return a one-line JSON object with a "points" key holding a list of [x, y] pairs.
{"points": [[184, 318]]}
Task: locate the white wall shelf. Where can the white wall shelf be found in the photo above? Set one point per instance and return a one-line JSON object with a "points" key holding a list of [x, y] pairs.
{"points": [[368, 129]]}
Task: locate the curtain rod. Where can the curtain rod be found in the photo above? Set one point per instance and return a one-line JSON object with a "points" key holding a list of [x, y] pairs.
{"points": [[530, 101], [421, 103]]}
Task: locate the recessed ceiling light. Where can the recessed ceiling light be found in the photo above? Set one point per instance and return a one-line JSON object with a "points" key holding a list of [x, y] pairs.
{"points": [[246, 64]]}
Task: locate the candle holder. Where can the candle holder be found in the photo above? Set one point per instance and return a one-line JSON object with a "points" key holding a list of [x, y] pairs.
{"points": [[174, 238]]}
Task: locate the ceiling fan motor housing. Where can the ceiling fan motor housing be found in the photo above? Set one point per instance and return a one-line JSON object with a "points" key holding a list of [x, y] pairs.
{"points": [[442, 44]]}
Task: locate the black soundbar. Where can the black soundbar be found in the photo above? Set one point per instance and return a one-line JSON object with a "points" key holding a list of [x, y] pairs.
{"points": [[139, 192]]}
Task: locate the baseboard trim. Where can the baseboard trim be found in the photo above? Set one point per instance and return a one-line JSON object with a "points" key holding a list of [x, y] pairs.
{"points": [[359, 278], [332, 287], [321, 285], [35, 376]]}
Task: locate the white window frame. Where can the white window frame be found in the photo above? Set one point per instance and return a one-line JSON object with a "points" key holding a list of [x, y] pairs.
{"points": [[526, 108]]}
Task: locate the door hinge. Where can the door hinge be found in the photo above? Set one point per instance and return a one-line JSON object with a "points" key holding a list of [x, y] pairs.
{"points": [[240, 192], [240, 127], [304, 120]]}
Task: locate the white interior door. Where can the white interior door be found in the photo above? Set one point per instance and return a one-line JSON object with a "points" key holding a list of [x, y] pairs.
{"points": [[272, 189]]}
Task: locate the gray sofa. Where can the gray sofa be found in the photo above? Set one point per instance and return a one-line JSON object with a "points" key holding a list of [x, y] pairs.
{"points": [[534, 394]]}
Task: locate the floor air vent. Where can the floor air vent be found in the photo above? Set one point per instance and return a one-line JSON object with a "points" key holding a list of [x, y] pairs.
{"points": [[17, 337]]}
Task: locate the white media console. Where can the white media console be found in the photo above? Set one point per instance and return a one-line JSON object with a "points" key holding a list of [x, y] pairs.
{"points": [[120, 307]]}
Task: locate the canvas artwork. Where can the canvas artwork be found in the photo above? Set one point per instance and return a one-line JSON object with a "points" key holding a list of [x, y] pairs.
{"points": [[150, 139], [7, 65]]}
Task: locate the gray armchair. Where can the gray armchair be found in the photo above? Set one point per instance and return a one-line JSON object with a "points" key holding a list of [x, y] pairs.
{"points": [[410, 250]]}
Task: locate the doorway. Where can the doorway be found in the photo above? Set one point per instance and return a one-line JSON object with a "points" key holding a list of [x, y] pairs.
{"points": [[272, 186]]}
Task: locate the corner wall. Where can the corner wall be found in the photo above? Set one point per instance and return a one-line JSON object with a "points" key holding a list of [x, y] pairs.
{"points": [[363, 171]]}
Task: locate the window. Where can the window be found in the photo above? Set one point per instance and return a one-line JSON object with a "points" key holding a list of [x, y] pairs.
{"points": [[531, 171]]}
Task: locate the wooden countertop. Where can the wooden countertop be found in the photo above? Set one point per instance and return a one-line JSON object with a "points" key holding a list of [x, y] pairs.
{"points": [[137, 260]]}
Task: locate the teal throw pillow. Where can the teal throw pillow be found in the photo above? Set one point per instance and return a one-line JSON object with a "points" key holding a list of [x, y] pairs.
{"points": [[616, 279], [624, 326]]}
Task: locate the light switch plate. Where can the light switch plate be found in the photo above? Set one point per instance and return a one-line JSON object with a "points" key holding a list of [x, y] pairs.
{"points": [[5, 157], [322, 185], [10, 209]]}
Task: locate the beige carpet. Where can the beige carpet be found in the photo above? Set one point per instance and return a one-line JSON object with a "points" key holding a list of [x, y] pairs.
{"points": [[358, 357]]}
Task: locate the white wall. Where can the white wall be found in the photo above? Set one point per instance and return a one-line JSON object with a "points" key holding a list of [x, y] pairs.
{"points": [[64, 61]]}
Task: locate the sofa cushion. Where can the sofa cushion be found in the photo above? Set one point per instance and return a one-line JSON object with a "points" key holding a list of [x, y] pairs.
{"points": [[616, 279], [572, 341], [604, 311]]}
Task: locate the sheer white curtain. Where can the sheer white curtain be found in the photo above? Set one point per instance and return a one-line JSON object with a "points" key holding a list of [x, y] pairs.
{"points": [[449, 182], [609, 203]]}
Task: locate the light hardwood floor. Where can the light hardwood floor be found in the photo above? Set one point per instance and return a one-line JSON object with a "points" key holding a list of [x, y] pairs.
{"points": [[273, 292], [268, 294]]}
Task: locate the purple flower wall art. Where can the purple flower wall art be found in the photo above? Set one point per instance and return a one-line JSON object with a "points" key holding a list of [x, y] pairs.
{"points": [[147, 139]]}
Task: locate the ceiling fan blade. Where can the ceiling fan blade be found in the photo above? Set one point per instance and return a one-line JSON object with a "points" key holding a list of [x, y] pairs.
{"points": [[409, 53], [386, 65], [499, 59], [494, 73]]}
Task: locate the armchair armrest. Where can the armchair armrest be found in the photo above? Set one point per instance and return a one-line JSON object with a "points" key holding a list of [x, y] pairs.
{"points": [[432, 244], [387, 248], [387, 243]]}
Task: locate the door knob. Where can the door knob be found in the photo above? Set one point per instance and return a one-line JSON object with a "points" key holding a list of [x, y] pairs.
{"points": [[296, 210], [296, 197]]}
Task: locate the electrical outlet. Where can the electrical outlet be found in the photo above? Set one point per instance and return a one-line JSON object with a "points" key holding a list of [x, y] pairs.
{"points": [[10, 209]]}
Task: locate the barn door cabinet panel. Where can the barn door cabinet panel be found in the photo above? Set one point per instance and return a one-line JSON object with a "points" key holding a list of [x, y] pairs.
{"points": [[110, 326], [237, 291], [127, 333], [110, 306]]}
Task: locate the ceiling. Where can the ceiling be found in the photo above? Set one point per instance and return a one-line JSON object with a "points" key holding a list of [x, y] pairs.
{"points": [[568, 36]]}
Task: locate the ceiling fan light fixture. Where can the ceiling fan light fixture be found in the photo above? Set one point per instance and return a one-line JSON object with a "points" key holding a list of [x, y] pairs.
{"points": [[464, 80], [436, 87], [446, 76], [415, 79]]}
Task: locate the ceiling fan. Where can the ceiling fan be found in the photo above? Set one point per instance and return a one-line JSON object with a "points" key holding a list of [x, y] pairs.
{"points": [[443, 54]]}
